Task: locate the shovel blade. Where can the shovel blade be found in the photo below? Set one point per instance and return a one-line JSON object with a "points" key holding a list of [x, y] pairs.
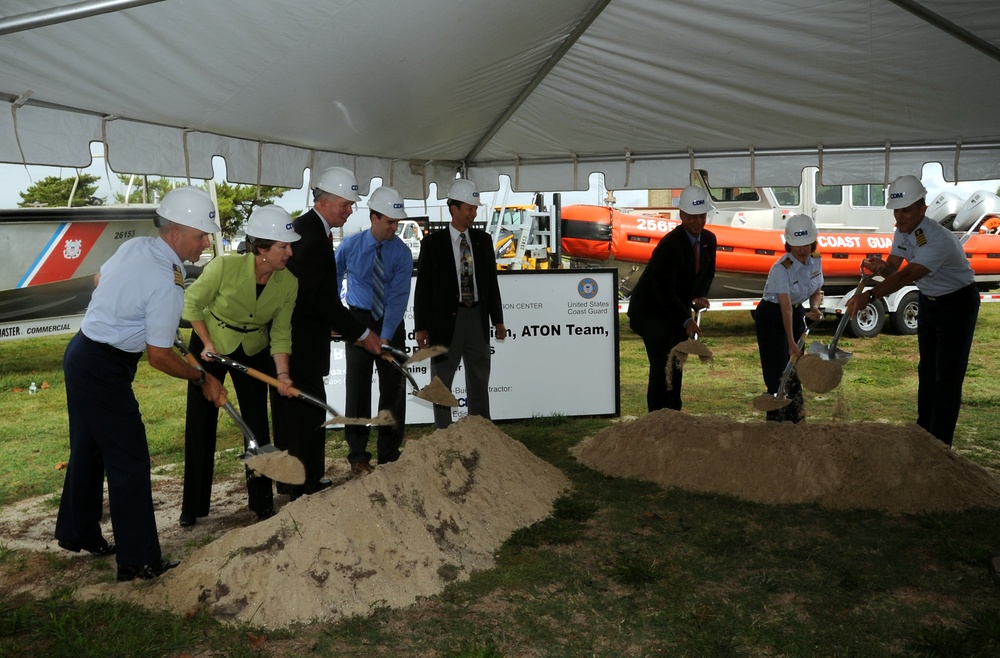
{"points": [[437, 393]]}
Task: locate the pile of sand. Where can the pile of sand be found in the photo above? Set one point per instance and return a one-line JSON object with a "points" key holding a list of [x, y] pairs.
{"points": [[400, 533], [847, 466]]}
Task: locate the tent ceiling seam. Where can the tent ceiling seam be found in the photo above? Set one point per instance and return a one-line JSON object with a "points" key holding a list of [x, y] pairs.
{"points": [[943, 24], [539, 77]]}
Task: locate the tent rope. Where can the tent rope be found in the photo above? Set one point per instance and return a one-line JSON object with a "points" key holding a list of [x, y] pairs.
{"points": [[21, 100], [753, 167], [187, 155], [628, 166], [888, 154], [958, 152]]}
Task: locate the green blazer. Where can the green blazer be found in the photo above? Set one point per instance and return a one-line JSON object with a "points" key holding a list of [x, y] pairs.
{"points": [[226, 294]]}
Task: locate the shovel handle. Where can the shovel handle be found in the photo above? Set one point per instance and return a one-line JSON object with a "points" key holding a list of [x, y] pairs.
{"points": [[267, 379], [227, 405]]}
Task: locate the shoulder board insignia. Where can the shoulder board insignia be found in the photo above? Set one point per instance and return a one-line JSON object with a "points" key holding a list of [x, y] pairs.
{"points": [[921, 238], [815, 254], [786, 263], [178, 279]]}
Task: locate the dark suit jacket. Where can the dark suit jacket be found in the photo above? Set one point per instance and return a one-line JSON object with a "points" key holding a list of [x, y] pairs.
{"points": [[661, 300], [318, 308], [436, 294]]}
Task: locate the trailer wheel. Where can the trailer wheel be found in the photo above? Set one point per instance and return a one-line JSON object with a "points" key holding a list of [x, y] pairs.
{"points": [[904, 320], [868, 322]]}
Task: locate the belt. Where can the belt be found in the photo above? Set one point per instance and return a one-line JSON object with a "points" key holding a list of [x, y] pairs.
{"points": [[111, 349], [951, 295], [467, 304], [231, 327]]}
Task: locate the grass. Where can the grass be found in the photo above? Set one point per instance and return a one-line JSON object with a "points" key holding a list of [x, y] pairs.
{"points": [[622, 567]]}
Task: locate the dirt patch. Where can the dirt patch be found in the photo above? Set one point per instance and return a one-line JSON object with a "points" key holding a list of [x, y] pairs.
{"points": [[386, 539], [846, 466]]}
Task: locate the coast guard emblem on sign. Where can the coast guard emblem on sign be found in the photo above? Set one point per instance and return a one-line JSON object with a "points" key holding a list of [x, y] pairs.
{"points": [[587, 288], [72, 249]]}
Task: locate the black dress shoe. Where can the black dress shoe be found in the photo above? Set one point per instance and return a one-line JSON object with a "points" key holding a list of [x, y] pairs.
{"points": [[144, 571], [318, 485], [187, 520], [99, 548]]}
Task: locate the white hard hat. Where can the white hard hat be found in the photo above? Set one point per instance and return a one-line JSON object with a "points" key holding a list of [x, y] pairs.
{"points": [[800, 230], [465, 191], [339, 181], [694, 200], [189, 206], [271, 223], [904, 192], [387, 201]]}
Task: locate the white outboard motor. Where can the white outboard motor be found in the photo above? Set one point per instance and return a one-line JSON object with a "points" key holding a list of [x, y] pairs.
{"points": [[944, 208], [975, 208]]}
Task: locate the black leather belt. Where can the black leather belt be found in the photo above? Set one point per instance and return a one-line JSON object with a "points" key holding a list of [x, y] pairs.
{"points": [[111, 349], [951, 295], [467, 304], [239, 329]]}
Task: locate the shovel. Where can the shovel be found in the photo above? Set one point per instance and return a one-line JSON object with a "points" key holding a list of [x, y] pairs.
{"points": [[435, 392], [832, 352], [381, 419], [780, 399], [265, 459]]}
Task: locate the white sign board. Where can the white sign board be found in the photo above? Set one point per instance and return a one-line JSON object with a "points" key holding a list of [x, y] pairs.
{"points": [[560, 356]]}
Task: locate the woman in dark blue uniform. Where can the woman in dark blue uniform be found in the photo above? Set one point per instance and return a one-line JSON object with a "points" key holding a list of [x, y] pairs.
{"points": [[795, 278]]}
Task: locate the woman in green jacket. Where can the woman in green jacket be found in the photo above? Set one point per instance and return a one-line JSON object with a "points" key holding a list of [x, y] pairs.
{"points": [[240, 306]]}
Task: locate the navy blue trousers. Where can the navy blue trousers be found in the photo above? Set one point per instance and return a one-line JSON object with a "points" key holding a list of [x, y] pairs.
{"points": [[106, 435], [773, 347], [358, 396], [944, 335]]}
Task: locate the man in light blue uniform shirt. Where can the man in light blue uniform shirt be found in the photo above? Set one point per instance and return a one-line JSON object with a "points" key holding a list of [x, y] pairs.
{"points": [[948, 305], [136, 307], [378, 301]]}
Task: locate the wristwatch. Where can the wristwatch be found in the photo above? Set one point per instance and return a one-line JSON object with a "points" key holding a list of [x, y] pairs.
{"points": [[200, 380]]}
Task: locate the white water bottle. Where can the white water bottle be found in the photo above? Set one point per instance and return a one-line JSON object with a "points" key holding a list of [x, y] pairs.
{"points": [[32, 389]]}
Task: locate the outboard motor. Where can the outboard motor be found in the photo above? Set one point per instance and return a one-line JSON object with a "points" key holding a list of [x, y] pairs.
{"points": [[944, 208], [976, 207]]}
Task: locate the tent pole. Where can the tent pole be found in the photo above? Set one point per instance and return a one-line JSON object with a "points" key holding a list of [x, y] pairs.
{"points": [[942, 23], [71, 12]]}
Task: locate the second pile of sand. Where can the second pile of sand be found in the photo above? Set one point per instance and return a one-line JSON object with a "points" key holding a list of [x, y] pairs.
{"points": [[894, 468]]}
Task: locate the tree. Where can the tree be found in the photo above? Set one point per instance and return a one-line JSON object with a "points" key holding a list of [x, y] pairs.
{"points": [[54, 192], [144, 190], [235, 202]]}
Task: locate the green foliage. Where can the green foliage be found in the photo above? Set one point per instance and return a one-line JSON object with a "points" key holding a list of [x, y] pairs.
{"points": [[143, 190], [235, 202], [55, 192]]}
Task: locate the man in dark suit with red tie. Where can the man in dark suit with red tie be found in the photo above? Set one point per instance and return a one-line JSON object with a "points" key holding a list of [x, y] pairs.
{"points": [[456, 297], [675, 282], [318, 312]]}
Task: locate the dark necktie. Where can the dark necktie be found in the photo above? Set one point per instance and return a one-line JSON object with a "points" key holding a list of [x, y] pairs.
{"points": [[465, 254], [697, 256], [378, 283]]}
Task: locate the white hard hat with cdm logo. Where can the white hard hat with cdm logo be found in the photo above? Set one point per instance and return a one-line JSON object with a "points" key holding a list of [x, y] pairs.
{"points": [[189, 206], [387, 201], [465, 191], [800, 230], [271, 223], [340, 182], [904, 192], [694, 200]]}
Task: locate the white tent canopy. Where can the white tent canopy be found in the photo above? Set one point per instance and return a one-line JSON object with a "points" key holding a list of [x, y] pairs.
{"points": [[545, 92]]}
